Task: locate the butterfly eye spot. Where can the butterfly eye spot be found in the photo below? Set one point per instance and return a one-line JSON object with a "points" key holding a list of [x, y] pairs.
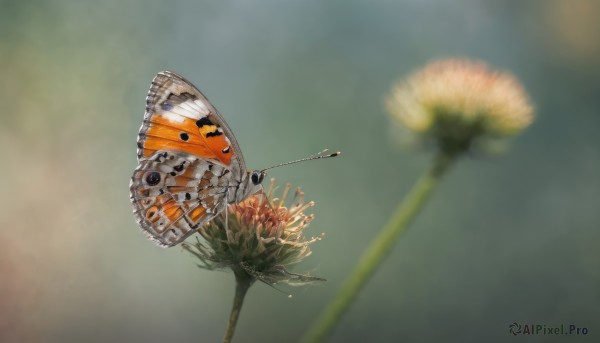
{"points": [[151, 213], [184, 136], [226, 150], [188, 196], [153, 178], [166, 106]]}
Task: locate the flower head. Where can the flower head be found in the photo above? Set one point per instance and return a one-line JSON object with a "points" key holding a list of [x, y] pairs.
{"points": [[262, 238], [456, 102]]}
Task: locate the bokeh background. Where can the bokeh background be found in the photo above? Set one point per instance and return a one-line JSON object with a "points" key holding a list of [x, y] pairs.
{"points": [[511, 238]]}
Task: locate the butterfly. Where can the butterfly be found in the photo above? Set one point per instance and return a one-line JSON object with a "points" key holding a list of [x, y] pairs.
{"points": [[190, 165]]}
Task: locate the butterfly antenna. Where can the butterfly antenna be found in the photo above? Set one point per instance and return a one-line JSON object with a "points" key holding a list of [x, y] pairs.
{"points": [[319, 155]]}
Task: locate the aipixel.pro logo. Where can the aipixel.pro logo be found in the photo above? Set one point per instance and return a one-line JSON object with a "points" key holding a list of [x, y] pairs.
{"points": [[517, 329]]}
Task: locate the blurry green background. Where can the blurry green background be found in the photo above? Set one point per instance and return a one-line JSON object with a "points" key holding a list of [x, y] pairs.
{"points": [[511, 238]]}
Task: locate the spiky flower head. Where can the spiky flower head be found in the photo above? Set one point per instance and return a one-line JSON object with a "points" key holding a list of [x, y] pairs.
{"points": [[457, 102], [262, 238]]}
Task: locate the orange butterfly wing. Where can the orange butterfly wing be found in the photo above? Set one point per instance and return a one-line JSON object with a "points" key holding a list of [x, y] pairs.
{"points": [[188, 159], [174, 193], [178, 117]]}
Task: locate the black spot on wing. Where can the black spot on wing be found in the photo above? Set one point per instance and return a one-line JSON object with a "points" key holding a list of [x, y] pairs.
{"points": [[204, 121], [214, 133], [160, 157], [179, 168]]}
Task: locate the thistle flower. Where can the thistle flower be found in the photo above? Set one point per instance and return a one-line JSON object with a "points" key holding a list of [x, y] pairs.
{"points": [[262, 238], [458, 102], [257, 239]]}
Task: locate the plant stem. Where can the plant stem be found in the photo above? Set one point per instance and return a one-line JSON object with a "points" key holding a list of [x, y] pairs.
{"points": [[243, 282], [379, 249]]}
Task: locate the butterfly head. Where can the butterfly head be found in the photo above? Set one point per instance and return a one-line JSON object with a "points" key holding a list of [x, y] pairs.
{"points": [[251, 183], [257, 177]]}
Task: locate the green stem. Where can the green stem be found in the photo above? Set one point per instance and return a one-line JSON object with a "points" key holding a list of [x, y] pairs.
{"points": [[379, 249], [243, 283]]}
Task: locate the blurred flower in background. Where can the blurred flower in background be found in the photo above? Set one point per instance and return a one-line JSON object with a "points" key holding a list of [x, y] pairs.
{"points": [[453, 103], [456, 102]]}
